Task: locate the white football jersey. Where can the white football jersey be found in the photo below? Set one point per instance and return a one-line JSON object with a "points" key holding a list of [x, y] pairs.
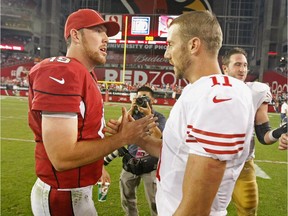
{"points": [[213, 117], [260, 94]]}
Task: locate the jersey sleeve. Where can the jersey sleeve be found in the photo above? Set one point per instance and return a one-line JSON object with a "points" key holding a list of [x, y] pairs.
{"points": [[261, 93], [57, 86], [217, 127]]}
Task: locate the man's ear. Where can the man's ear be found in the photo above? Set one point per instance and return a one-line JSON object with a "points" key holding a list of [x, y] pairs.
{"points": [[224, 69], [74, 34], [194, 45]]}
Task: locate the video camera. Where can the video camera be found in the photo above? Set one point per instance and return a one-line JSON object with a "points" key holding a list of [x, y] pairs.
{"points": [[117, 153], [142, 101]]}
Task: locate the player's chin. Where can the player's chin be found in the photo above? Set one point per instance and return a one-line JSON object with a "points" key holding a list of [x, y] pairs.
{"points": [[242, 78], [178, 73], [100, 60]]}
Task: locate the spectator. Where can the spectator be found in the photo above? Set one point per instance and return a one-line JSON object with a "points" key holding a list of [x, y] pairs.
{"points": [[132, 173]]}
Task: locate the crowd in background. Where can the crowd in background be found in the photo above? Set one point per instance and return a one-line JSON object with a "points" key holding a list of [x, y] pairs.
{"points": [[127, 87], [13, 58], [9, 83], [278, 100], [282, 67], [17, 3], [10, 59]]}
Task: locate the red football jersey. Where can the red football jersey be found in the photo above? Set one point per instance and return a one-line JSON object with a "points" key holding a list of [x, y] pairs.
{"points": [[61, 84]]}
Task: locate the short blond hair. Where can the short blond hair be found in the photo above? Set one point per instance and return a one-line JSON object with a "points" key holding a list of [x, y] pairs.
{"points": [[201, 24]]}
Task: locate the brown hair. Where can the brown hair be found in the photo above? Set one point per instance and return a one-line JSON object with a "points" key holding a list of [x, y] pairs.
{"points": [[228, 54]]}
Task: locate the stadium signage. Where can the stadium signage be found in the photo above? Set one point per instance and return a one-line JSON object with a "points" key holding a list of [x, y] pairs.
{"points": [[277, 82], [152, 59], [137, 46], [11, 47], [140, 25], [133, 77], [117, 58], [278, 88]]}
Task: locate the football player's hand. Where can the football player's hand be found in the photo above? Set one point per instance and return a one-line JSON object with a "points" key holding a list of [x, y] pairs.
{"points": [[283, 142], [132, 130], [112, 126], [105, 176]]}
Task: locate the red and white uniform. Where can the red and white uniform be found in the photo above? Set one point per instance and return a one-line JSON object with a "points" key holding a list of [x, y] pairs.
{"points": [[212, 118], [62, 84], [260, 94]]}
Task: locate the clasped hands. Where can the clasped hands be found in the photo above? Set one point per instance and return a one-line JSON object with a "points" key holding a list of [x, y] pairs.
{"points": [[132, 130]]}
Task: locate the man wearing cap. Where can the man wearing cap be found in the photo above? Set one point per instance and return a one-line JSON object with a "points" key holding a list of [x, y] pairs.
{"points": [[67, 117]]}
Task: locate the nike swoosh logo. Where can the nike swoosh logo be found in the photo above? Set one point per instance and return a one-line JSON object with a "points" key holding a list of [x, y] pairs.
{"points": [[219, 100], [62, 81]]}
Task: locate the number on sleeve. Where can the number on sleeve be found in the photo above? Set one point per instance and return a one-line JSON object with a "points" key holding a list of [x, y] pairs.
{"points": [[61, 59]]}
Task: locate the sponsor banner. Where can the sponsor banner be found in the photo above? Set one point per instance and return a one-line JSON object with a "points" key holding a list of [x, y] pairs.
{"points": [[17, 71], [271, 108], [22, 93], [126, 99], [276, 82], [11, 47], [141, 59], [137, 46], [142, 77], [117, 98]]}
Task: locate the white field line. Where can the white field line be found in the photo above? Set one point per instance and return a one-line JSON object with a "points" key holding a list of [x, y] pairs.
{"points": [[15, 139], [260, 173], [13, 117], [269, 161], [111, 103], [2, 97], [259, 161]]}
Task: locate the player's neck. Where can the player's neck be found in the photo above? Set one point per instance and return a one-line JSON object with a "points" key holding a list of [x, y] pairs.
{"points": [[203, 68]]}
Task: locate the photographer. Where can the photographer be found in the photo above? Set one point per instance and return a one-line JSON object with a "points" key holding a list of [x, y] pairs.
{"points": [[138, 164]]}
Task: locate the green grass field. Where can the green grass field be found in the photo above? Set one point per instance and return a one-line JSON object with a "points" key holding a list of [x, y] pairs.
{"points": [[18, 177]]}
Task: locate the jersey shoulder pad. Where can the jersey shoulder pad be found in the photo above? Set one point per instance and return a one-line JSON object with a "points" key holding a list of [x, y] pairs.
{"points": [[64, 64], [259, 88]]}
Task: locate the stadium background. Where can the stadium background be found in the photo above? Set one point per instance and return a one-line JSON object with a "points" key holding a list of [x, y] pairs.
{"points": [[32, 30]]}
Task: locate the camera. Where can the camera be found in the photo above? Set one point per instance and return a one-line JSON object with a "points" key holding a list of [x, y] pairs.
{"points": [[117, 153], [142, 101]]}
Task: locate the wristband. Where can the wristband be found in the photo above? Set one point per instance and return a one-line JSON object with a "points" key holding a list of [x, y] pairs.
{"points": [[271, 137], [276, 133], [261, 130]]}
